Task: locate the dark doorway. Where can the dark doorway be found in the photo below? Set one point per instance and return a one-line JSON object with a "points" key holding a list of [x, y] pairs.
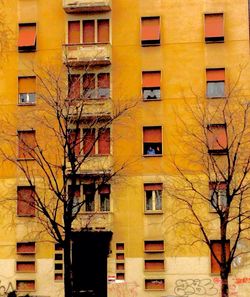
{"points": [[89, 257]]}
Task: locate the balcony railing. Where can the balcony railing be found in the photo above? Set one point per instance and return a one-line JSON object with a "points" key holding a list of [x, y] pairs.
{"points": [[78, 6], [85, 108], [87, 54], [96, 220]]}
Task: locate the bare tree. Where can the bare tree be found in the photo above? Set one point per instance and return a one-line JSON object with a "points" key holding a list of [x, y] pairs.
{"points": [[212, 184], [53, 157]]}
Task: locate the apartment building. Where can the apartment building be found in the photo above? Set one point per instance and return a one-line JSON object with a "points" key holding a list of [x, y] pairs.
{"points": [[159, 58]]}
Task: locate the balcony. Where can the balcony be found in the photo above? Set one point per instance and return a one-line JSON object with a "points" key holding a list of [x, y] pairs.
{"points": [[95, 165], [90, 108], [77, 55], [78, 6], [94, 220]]}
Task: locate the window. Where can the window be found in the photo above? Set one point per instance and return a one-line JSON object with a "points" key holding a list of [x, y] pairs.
{"points": [[216, 246], [217, 138], [26, 90], [154, 284], [26, 248], [96, 201], [153, 197], [25, 201], [25, 266], [151, 85], [152, 141], [89, 86], [153, 246], [215, 83], [214, 28], [218, 195], [93, 31], [150, 31], [26, 144], [96, 141], [74, 142], [76, 198], [25, 285], [154, 265], [27, 37]]}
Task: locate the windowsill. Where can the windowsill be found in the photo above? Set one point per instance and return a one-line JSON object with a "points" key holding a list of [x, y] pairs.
{"points": [[150, 270], [155, 155], [149, 100], [26, 104], [155, 289], [218, 152], [87, 212], [154, 251], [25, 159], [153, 212], [26, 216], [150, 44], [217, 97]]}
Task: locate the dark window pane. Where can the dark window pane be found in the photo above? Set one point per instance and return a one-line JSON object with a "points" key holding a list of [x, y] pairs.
{"points": [[215, 89]]}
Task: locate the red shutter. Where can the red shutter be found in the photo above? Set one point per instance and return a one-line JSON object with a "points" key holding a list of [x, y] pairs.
{"points": [[103, 31], [151, 79], [89, 141], [27, 35], [104, 189], [103, 80], [217, 137], [74, 86], [153, 187], [216, 247], [74, 141], [214, 25], [88, 30], [26, 144], [89, 189], [25, 201], [104, 142], [74, 32], [88, 81], [152, 134], [217, 186], [150, 28], [215, 74]]}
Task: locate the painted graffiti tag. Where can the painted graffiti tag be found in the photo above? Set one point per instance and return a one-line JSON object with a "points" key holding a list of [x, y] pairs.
{"points": [[198, 287], [4, 290], [124, 289]]}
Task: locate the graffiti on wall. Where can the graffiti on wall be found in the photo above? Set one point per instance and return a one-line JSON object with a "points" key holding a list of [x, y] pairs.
{"points": [[206, 287], [4, 290], [123, 289], [194, 287]]}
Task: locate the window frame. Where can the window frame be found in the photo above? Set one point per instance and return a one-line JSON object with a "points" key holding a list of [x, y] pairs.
{"points": [[20, 151], [219, 189], [31, 210], [215, 81], [150, 42], [27, 94], [95, 196], [27, 48], [151, 88], [153, 145], [217, 241], [94, 92], [214, 39], [96, 20], [154, 193], [216, 151]]}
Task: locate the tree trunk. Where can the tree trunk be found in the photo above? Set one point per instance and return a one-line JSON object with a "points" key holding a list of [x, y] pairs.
{"points": [[68, 285], [224, 285]]}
